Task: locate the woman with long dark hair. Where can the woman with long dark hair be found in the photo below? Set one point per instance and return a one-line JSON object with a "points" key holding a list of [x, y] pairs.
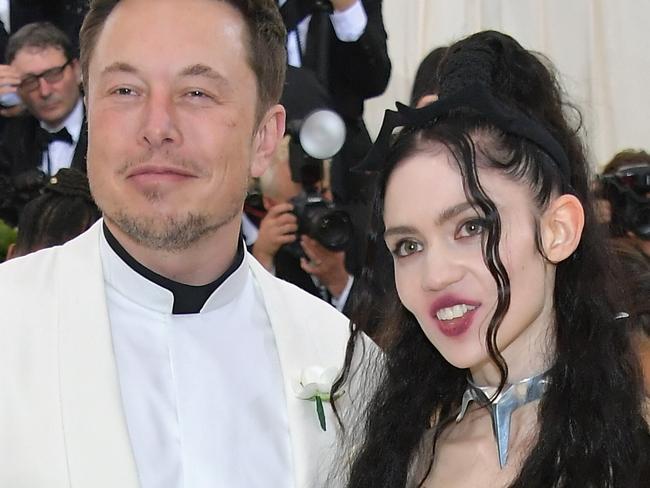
{"points": [[503, 364]]}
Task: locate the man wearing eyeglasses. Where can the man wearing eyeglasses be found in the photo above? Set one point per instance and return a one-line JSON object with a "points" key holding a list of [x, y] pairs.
{"points": [[44, 74]]}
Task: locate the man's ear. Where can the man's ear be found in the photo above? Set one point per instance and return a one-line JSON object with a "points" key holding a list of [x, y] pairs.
{"points": [[267, 138], [561, 227]]}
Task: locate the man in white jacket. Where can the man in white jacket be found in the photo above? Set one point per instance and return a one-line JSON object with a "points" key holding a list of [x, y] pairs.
{"points": [[153, 351]]}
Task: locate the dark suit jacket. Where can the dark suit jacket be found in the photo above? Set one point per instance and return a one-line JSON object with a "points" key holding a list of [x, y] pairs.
{"points": [[20, 153], [287, 267], [357, 71]]}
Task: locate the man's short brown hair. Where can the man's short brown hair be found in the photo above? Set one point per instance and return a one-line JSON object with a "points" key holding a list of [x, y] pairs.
{"points": [[266, 47], [40, 35]]}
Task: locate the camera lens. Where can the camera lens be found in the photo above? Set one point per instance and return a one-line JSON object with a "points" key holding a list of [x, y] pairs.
{"points": [[333, 229], [322, 221], [330, 227]]}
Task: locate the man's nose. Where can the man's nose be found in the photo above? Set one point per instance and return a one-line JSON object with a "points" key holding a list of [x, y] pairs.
{"points": [[159, 125], [442, 269], [44, 88]]}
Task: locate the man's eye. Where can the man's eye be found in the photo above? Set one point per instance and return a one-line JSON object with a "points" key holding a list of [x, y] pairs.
{"points": [[196, 94], [406, 247], [470, 228], [123, 91]]}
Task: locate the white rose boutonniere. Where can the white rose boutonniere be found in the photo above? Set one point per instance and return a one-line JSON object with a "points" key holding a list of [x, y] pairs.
{"points": [[315, 384]]}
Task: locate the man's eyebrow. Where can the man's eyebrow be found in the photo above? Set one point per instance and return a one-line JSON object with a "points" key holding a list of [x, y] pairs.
{"points": [[120, 67], [203, 70], [193, 70]]}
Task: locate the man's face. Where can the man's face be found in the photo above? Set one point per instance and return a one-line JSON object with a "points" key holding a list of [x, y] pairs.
{"points": [[50, 102], [171, 103]]}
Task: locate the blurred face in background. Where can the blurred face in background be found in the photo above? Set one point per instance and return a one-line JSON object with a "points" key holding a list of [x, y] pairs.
{"points": [[50, 98], [276, 183]]}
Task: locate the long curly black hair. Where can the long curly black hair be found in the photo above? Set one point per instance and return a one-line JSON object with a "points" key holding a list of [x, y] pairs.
{"points": [[592, 431]]}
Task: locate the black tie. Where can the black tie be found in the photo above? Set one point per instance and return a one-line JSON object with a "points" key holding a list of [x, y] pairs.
{"points": [[46, 137], [316, 55], [293, 11]]}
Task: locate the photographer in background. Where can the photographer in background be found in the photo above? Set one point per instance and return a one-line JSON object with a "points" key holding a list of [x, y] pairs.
{"points": [[297, 258], [281, 243], [44, 73], [343, 42], [624, 190]]}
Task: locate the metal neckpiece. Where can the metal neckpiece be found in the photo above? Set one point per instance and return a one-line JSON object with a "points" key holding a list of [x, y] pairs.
{"points": [[510, 399]]}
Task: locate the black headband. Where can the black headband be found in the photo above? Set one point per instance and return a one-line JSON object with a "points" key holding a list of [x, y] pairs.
{"points": [[474, 96]]}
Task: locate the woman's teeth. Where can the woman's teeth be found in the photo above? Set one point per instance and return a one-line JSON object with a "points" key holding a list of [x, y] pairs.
{"points": [[454, 312]]}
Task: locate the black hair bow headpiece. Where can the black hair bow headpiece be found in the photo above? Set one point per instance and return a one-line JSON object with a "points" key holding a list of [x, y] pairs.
{"points": [[474, 96]]}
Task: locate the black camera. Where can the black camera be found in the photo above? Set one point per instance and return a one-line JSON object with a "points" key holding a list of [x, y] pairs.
{"points": [[313, 139], [321, 220], [628, 191]]}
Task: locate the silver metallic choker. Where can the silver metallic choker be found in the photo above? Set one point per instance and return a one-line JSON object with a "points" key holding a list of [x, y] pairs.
{"points": [[510, 399]]}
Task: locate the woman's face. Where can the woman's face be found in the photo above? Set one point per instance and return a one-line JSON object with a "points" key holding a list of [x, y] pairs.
{"points": [[435, 238]]}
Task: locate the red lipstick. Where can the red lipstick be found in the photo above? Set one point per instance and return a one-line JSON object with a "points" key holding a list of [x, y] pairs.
{"points": [[457, 326]]}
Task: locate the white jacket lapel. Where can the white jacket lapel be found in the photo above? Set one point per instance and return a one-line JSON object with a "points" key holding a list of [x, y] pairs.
{"points": [[308, 332], [96, 437]]}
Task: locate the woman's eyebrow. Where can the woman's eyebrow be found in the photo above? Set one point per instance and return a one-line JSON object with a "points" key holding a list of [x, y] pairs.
{"points": [[444, 216]]}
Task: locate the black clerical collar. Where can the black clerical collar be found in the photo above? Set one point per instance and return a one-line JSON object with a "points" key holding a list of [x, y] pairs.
{"points": [[187, 298]]}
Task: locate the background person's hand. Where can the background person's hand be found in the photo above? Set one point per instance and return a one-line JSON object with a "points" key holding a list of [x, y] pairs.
{"points": [[278, 227], [9, 81], [328, 266]]}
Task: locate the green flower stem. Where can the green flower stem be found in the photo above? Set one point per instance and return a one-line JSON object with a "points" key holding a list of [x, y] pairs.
{"points": [[321, 412]]}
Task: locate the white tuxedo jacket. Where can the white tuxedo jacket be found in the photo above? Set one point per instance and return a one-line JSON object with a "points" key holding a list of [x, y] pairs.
{"points": [[61, 419]]}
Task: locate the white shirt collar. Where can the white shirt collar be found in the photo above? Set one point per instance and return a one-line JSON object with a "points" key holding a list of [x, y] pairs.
{"points": [[72, 123], [4, 15], [138, 289]]}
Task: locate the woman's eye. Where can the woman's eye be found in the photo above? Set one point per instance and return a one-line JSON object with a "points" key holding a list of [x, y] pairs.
{"points": [[470, 228], [406, 248]]}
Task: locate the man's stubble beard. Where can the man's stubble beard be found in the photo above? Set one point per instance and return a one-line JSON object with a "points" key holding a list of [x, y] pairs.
{"points": [[170, 233]]}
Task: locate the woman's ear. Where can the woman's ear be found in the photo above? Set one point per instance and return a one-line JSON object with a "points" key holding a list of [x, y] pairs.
{"points": [[561, 227]]}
